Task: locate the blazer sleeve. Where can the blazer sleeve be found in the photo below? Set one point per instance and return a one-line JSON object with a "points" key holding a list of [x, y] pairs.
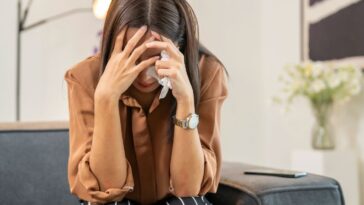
{"points": [[213, 94], [82, 181]]}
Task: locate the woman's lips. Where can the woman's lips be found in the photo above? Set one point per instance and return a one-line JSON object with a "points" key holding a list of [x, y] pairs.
{"points": [[145, 84]]}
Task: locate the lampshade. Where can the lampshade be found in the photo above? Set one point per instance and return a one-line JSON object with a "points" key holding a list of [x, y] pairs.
{"points": [[100, 8]]}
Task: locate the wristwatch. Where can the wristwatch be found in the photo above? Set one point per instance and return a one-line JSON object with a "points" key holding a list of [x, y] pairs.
{"points": [[190, 122]]}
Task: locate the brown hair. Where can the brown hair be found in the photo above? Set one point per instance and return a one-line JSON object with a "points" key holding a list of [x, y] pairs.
{"points": [[174, 19]]}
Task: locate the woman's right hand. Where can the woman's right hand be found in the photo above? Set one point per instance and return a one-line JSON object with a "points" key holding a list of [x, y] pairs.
{"points": [[121, 69]]}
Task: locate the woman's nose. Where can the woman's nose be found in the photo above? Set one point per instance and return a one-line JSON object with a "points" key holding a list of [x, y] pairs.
{"points": [[144, 77]]}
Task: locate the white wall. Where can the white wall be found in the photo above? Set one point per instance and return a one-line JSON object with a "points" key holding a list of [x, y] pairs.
{"points": [[232, 30], [7, 60], [47, 51], [280, 40]]}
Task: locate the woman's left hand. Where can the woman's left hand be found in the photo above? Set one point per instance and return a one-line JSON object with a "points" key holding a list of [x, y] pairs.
{"points": [[174, 68]]}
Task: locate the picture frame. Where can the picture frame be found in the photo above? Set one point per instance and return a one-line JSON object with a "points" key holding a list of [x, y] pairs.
{"points": [[332, 30]]}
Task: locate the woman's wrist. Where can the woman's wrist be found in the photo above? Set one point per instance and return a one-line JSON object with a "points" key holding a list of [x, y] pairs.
{"points": [[105, 97], [185, 107], [186, 99]]}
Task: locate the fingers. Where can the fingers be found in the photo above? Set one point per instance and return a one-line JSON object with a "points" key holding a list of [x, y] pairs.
{"points": [[159, 64], [119, 41], [171, 49], [146, 63], [134, 40], [139, 51], [156, 35], [165, 39], [171, 72]]}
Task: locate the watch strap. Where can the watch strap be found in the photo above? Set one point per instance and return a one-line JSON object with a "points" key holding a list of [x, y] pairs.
{"points": [[180, 123]]}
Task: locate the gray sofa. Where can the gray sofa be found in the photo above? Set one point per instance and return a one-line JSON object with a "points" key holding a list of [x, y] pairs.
{"points": [[33, 170]]}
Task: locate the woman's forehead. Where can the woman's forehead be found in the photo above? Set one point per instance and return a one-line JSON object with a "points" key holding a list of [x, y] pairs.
{"points": [[131, 32]]}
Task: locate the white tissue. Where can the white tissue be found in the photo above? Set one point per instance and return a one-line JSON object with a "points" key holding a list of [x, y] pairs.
{"points": [[165, 82]]}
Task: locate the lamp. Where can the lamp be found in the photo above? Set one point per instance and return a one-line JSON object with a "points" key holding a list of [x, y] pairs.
{"points": [[99, 8]]}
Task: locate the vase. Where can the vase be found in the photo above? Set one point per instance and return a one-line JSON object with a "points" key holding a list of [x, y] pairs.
{"points": [[322, 131]]}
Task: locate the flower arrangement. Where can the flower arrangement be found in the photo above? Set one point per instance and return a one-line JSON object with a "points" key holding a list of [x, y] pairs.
{"points": [[323, 84]]}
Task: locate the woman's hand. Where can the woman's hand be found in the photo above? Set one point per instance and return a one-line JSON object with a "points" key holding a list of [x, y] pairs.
{"points": [[174, 69], [121, 69]]}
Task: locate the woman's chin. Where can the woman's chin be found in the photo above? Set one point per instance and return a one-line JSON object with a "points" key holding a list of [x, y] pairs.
{"points": [[146, 89]]}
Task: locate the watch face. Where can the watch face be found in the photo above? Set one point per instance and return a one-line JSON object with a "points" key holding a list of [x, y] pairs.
{"points": [[193, 122]]}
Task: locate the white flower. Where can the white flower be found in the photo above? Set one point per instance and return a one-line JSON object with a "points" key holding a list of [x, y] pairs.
{"points": [[357, 71], [355, 87], [344, 76], [310, 79], [317, 86], [318, 69], [334, 81], [297, 84]]}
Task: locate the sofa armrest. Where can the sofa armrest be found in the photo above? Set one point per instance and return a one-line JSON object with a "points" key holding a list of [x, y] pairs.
{"points": [[238, 188]]}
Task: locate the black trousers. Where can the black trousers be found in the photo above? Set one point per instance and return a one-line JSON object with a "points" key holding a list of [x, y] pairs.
{"points": [[201, 200]]}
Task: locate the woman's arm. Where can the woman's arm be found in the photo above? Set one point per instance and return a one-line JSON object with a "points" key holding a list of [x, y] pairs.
{"points": [[83, 181], [196, 154], [187, 156], [98, 168], [107, 158]]}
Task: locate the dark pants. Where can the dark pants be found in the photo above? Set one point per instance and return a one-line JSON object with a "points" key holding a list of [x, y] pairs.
{"points": [[168, 201]]}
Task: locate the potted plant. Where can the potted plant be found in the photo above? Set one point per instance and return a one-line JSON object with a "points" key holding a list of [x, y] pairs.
{"points": [[323, 84]]}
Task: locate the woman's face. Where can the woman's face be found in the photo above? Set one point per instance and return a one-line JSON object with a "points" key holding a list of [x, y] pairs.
{"points": [[143, 82]]}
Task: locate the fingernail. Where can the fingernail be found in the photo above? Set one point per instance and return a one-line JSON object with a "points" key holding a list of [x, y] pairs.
{"points": [[155, 34], [144, 27]]}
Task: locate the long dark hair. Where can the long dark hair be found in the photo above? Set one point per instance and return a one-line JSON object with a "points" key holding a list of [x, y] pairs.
{"points": [[174, 19]]}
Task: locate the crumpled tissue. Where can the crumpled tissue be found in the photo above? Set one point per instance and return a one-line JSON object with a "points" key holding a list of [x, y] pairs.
{"points": [[165, 82]]}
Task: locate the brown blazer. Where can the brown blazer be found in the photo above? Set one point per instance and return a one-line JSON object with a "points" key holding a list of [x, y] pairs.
{"points": [[145, 136]]}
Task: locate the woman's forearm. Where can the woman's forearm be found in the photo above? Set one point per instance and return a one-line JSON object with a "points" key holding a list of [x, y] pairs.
{"points": [[107, 158], [187, 156]]}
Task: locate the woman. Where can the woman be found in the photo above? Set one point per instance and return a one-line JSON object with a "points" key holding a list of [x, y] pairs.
{"points": [[127, 146]]}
